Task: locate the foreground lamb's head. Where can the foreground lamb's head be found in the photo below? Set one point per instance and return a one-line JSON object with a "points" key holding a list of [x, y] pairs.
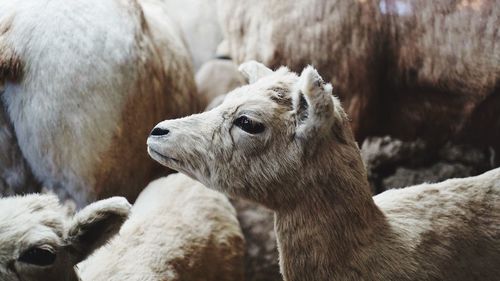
{"points": [[40, 241], [277, 130]]}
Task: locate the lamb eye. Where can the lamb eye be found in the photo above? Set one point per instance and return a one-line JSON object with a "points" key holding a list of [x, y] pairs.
{"points": [[40, 256], [248, 125]]}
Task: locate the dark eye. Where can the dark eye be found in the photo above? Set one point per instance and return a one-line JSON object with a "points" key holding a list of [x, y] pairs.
{"points": [[41, 256], [248, 125]]}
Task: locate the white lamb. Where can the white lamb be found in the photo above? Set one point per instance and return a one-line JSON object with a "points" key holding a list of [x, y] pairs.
{"points": [[82, 83], [39, 241], [284, 141], [178, 231]]}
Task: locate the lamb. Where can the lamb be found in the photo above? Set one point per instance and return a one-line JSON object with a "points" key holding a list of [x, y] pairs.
{"points": [[178, 230], [82, 84], [285, 142], [40, 241], [398, 65]]}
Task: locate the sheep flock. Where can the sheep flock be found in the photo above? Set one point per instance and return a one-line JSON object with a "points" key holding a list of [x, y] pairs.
{"points": [[265, 140]]}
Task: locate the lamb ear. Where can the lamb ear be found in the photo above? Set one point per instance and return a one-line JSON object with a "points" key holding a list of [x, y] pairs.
{"points": [[313, 103], [253, 71], [94, 225]]}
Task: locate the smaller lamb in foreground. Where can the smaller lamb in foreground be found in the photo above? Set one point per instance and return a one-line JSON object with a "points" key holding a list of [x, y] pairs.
{"points": [[285, 142], [39, 241], [178, 230]]}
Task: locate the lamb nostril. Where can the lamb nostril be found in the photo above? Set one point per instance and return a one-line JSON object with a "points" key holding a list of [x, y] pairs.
{"points": [[159, 132]]}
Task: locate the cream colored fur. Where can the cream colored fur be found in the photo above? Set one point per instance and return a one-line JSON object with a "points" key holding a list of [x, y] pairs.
{"points": [[178, 231], [40, 223], [84, 81], [302, 162]]}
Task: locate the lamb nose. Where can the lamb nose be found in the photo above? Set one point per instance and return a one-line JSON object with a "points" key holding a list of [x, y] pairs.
{"points": [[159, 132]]}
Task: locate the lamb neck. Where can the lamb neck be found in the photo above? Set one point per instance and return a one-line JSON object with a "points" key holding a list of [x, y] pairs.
{"points": [[323, 236]]}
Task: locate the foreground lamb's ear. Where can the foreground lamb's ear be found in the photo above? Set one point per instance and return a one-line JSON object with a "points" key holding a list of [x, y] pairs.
{"points": [[313, 103], [93, 226], [253, 71]]}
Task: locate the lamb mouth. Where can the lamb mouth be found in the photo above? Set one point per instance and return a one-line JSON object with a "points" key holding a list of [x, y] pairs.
{"points": [[160, 157]]}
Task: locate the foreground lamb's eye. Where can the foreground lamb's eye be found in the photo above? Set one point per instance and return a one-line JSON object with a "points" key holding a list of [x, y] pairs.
{"points": [[249, 126], [40, 256]]}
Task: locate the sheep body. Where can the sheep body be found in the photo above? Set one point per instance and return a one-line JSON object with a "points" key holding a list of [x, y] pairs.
{"points": [[397, 65], [451, 225], [178, 230], [15, 174], [83, 82], [198, 22]]}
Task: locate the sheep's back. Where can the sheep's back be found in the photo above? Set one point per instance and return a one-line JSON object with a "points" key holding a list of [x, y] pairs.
{"points": [[452, 228], [178, 230]]}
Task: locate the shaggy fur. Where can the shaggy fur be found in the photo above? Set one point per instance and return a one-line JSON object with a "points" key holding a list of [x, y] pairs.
{"points": [[40, 222], [83, 83], [178, 231], [398, 65], [306, 166]]}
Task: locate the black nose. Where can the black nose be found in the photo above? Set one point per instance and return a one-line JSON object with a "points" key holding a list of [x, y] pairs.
{"points": [[159, 132]]}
